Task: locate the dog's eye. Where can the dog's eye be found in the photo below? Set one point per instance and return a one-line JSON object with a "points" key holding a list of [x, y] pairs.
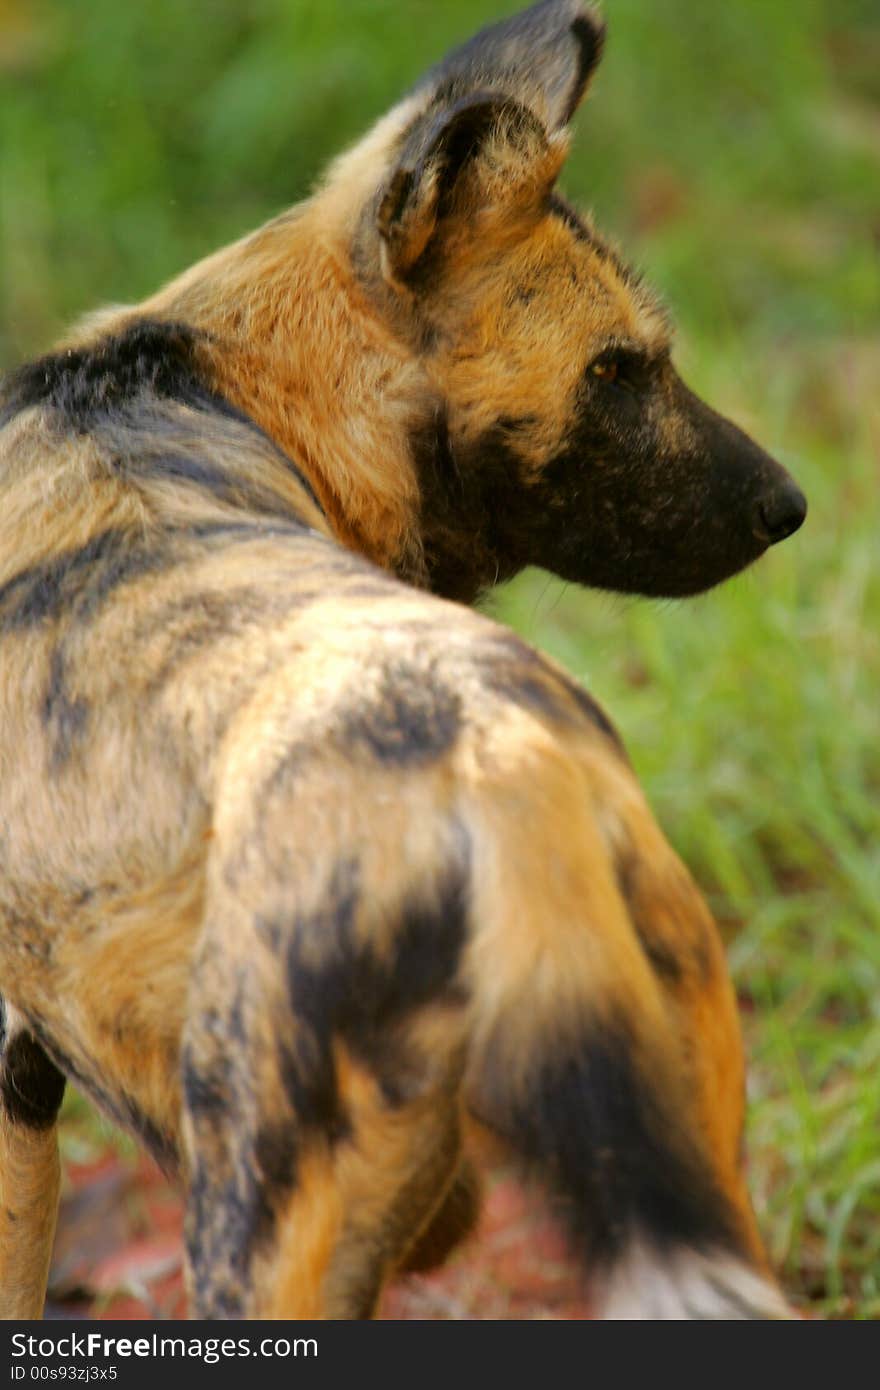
{"points": [[606, 371], [622, 367]]}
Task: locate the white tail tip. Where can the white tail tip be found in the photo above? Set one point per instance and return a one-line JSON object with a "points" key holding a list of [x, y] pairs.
{"points": [[649, 1284]]}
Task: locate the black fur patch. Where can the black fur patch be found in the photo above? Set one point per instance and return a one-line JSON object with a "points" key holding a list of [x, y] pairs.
{"points": [[411, 721], [516, 671], [119, 1107], [206, 1093], [621, 1166], [225, 1221], [361, 997], [64, 716], [240, 1175], [31, 1085], [244, 1163], [85, 383], [275, 1153], [309, 1082], [476, 517], [590, 36], [244, 1158], [77, 583], [82, 579]]}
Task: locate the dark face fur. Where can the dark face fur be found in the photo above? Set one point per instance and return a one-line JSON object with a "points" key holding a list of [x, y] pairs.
{"points": [[661, 495], [562, 434]]}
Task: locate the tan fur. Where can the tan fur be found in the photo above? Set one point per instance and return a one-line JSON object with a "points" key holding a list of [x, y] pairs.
{"points": [[30, 1181]]}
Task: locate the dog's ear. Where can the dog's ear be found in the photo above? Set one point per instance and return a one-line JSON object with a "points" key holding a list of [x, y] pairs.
{"points": [[542, 58], [447, 165], [489, 126]]}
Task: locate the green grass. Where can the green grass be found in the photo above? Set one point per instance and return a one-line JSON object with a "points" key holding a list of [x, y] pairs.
{"points": [[735, 151]]}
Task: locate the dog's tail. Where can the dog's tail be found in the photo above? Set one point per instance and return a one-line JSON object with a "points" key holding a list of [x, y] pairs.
{"points": [[662, 1233], [687, 1283], [607, 1052]]}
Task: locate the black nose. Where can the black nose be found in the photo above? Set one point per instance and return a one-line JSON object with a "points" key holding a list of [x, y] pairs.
{"points": [[781, 512]]}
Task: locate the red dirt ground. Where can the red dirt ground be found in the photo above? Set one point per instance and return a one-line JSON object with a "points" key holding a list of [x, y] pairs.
{"points": [[118, 1254]]}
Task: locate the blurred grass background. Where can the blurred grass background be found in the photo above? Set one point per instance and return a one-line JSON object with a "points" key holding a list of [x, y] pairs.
{"points": [[735, 151]]}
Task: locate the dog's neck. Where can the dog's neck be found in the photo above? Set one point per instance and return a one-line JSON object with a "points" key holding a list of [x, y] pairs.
{"points": [[291, 340]]}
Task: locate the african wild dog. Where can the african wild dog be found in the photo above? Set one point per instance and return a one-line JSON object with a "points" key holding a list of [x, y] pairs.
{"points": [[303, 865]]}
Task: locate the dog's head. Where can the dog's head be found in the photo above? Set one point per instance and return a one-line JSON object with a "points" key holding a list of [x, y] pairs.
{"points": [[562, 434]]}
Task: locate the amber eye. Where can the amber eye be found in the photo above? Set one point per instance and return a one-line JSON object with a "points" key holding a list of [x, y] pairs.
{"points": [[606, 371]]}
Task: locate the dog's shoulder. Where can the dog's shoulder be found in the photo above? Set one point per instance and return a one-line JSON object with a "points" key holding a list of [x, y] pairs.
{"points": [[128, 425]]}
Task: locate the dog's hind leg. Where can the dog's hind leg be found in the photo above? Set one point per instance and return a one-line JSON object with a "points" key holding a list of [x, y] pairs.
{"points": [[31, 1088], [325, 1048], [606, 1048], [411, 904]]}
